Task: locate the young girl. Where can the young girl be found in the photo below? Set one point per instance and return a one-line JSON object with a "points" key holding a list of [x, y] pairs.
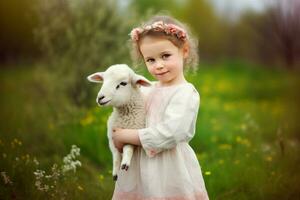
{"points": [[164, 166]]}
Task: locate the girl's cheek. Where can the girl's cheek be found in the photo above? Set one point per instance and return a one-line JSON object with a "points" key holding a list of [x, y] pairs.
{"points": [[150, 68]]}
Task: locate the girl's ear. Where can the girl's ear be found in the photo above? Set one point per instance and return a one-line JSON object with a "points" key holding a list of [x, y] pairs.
{"points": [[140, 80], [96, 77], [185, 50]]}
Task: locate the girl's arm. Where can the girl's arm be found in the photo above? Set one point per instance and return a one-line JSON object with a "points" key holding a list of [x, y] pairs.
{"points": [[177, 126], [125, 136]]}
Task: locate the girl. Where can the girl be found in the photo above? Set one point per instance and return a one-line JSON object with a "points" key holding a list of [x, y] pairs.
{"points": [[164, 166]]}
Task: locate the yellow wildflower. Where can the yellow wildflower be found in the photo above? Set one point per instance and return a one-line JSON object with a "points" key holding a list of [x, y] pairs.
{"points": [[269, 158], [207, 173], [101, 177], [243, 127], [238, 139], [243, 141], [51, 126], [228, 106], [79, 188], [87, 120], [225, 146], [236, 162], [214, 138]]}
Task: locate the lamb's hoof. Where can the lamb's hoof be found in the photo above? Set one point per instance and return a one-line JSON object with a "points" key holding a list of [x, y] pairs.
{"points": [[124, 166], [115, 177]]}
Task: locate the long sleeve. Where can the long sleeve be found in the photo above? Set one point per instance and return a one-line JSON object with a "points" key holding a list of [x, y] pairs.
{"points": [[177, 125]]}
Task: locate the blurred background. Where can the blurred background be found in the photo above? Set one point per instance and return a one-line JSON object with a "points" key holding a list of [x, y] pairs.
{"points": [[247, 139]]}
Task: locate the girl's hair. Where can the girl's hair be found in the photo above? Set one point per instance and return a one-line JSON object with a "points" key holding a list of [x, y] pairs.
{"points": [[178, 39]]}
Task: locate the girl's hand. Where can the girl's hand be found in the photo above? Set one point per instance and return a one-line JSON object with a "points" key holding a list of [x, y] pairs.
{"points": [[117, 139], [119, 146], [125, 136]]}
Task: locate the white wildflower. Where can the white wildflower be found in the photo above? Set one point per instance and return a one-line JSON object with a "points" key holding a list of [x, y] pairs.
{"points": [[6, 178], [35, 161], [69, 161], [48, 182]]}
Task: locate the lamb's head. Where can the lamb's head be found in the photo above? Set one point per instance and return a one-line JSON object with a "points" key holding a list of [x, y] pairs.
{"points": [[119, 83]]}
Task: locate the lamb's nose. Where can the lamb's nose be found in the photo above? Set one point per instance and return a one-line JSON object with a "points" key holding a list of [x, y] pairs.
{"points": [[100, 98]]}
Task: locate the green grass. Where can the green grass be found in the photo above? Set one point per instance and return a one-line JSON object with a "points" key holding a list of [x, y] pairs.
{"points": [[247, 138]]}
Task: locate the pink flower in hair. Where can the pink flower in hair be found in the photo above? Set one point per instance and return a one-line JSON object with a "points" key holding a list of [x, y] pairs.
{"points": [[175, 30], [135, 33], [147, 28], [170, 29], [158, 25], [181, 35]]}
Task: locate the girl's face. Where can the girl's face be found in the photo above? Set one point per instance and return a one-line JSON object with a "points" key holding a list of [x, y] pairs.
{"points": [[163, 59]]}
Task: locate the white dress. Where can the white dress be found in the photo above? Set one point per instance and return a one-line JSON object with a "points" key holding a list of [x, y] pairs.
{"points": [[165, 167]]}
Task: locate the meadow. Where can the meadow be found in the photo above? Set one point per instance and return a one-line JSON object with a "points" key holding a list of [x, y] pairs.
{"points": [[247, 139]]}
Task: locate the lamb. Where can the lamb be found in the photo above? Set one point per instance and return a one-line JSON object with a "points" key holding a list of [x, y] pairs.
{"points": [[121, 89]]}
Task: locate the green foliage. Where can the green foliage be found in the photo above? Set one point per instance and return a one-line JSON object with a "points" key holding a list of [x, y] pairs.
{"points": [[155, 6], [81, 37], [247, 139], [21, 175], [199, 14], [16, 170]]}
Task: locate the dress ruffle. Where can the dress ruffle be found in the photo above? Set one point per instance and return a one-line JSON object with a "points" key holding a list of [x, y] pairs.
{"points": [[133, 196]]}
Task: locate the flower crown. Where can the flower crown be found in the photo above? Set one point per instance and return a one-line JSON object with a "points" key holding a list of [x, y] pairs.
{"points": [[159, 26]]}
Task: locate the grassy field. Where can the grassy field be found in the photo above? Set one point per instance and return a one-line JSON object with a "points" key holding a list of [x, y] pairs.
{"points": [[247, 139]]}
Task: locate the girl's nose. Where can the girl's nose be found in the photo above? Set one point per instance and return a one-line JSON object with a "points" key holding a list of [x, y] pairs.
{"points": [[159, 66]]}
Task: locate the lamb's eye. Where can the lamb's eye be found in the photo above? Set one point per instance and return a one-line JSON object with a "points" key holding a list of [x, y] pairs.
{"points": [[123, 83]]}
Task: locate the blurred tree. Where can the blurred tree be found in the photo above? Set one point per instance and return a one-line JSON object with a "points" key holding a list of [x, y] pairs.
{"points": [[284, 19], [17, 21], [245, 40], [156, 6], [210, 31], [80, 37], [271, 37]]}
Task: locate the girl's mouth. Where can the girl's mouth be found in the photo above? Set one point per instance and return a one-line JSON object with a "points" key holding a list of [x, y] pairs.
{"points": [[162, 73]]}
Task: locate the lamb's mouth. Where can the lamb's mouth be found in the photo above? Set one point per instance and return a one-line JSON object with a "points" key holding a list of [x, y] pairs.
{"points": [[103, 103]]}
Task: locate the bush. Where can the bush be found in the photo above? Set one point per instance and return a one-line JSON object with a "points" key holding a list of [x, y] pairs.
{"points": [[80, 37]]}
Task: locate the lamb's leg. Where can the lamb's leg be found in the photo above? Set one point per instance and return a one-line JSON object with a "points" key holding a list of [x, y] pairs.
{"points": [[116, 156], [127, 155], [115, 153], [116, 163]]}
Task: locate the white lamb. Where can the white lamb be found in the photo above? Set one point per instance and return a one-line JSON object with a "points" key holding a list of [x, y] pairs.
{"points": [[120, 89]]}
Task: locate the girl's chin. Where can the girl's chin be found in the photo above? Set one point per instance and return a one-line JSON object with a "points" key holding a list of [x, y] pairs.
{"points": [[162, 77], [165, 81]]}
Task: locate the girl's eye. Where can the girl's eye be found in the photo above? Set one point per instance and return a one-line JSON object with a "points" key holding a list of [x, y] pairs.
{"points": [[164, 56], [123, 83], [117, 86], [150, 60]]}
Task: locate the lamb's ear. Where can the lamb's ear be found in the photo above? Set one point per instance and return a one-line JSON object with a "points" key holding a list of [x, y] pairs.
{"points": [[140, 80], [96, 77]]}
